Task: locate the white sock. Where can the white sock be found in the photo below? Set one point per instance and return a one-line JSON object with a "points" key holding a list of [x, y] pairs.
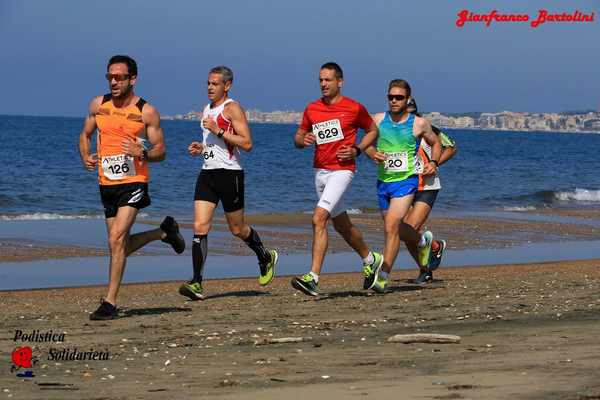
{"points": [[315, 276], [422, 241], [370, 259], [384, 275]]}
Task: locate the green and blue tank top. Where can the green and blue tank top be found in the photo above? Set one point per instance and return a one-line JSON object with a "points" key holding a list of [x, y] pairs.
{"points": [[397, 141]]}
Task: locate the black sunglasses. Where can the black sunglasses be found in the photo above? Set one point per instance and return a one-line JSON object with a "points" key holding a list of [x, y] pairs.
{"points": [[117, 77], [397, 97]]}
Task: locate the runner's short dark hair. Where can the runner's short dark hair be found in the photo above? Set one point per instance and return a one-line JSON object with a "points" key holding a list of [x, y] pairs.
{"points": [[335, 67], [401, 83], [121, 59], [226, 72]]}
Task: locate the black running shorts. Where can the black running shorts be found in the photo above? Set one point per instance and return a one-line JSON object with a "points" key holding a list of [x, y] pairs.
{"points": [[128, 194], [426, 196], [226, 185]]}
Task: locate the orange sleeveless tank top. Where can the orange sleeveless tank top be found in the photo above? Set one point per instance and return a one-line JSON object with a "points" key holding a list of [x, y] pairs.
{"points": [[115, 125]]}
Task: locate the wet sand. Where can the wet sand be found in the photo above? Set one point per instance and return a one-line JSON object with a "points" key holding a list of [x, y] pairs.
{"points": [[528, 332], [292, 233]]}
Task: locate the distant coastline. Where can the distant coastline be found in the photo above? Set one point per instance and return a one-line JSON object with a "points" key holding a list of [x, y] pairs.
{"points": [[569, 122]]}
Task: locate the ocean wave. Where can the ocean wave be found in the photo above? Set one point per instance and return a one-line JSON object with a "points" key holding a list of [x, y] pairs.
{"points": [[41, 216], [519, 208], [354, 211], [586, 195], [550, 197]]}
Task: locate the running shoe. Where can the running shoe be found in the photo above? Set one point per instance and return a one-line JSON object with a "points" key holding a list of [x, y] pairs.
{"points": [[174, 238], [192, 290], [306, 284], [371, 271], [380, 285], [267, 271], [436, 256], [105, 312], [424, 277], [425, 251]]}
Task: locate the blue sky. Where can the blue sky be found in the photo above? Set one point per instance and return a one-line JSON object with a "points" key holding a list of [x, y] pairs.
{"points": [[54, 53]]}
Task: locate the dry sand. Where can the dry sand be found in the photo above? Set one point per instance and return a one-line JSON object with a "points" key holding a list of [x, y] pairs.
{"points": [[528, 332]]}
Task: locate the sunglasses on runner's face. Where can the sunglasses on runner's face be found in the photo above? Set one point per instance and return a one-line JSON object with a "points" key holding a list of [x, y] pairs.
{"points": [[116, 77], [397, 97]]}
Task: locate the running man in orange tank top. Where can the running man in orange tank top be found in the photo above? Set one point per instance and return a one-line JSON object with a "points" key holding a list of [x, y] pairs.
{"points": [[121, 120]]}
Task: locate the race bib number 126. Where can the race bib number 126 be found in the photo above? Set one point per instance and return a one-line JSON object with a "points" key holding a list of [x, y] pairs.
{"points": [[328, 131], [118, 167]]}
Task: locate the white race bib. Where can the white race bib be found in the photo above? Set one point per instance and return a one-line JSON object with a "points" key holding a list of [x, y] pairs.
{"points": [[419, 164], [118, 167], [328, 131], [396, 162]]}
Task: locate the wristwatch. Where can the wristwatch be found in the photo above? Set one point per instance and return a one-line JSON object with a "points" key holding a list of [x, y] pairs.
{"points": [[144, 155], [220, 133]]}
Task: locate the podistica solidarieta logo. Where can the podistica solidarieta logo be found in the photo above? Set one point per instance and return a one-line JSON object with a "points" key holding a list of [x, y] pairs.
{"points": [[24, 360]]}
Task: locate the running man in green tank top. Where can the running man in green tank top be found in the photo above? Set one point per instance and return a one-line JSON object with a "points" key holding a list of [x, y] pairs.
{"points": [[400, 135]]}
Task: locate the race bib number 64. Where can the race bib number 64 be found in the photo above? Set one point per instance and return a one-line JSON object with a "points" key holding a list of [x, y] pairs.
{"points": [[328, 131], [118, 167]]}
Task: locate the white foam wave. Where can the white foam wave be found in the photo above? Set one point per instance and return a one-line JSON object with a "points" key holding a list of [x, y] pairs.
{"points": [[39, 216], [579, 195], [519, 209], [354, 211]]}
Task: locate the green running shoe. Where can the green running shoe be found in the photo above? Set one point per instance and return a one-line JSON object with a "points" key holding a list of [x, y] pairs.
{"points": [[371, 272], [306, 284], [425, 251], [192, 290], [267, 272], [380, 285]]}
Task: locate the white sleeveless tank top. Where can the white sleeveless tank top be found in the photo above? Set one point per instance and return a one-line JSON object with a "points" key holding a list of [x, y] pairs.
{"points": [[217, 153]]}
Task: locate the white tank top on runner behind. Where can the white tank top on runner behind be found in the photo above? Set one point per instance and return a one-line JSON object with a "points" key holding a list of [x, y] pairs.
{"points": [[217, 153]]}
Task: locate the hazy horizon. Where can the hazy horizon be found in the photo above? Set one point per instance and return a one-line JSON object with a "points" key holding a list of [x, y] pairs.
{"points": [[55, 54]]}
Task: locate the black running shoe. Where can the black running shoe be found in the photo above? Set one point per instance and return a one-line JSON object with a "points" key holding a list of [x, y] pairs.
{"points": [[174, 238], [104, 312], [306, 284], [436, 256], [424, 277]]}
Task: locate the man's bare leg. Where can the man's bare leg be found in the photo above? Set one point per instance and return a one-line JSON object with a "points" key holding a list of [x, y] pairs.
{"points": [[320, 239], [344, 226]]}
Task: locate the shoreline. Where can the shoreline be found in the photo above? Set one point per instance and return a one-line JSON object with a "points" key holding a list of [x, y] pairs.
{"points": [[292, 233]]}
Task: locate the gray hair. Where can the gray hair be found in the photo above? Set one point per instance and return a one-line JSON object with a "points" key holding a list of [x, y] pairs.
{"points": [[226, 72]]}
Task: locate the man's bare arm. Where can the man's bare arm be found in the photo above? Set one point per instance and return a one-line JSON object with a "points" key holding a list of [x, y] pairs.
{"points": [[90, 161], [242, 137]]}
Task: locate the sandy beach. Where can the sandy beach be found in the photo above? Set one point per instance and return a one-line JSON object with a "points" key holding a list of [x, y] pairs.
{"points": [[527, 332]]}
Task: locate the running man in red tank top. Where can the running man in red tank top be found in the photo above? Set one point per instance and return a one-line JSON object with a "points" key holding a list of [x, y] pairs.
{"points": [[331, 124]]}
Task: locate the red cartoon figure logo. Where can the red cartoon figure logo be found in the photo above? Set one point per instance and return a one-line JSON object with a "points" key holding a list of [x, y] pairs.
{"points": [[21, 357]]}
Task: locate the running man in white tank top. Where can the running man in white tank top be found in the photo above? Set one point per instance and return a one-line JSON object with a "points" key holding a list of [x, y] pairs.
{"points": [[225, 131]]}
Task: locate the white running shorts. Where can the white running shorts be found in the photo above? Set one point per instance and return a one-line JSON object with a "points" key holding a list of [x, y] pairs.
{"points": [[331, 186]]}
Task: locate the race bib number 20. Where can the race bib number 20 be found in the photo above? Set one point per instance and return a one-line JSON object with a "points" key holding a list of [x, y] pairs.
{"points": [[396, 162], [328, 131], [118, 167]]}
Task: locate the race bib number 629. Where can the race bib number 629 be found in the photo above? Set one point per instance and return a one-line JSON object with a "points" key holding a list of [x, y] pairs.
{"points": [[328, 131]]}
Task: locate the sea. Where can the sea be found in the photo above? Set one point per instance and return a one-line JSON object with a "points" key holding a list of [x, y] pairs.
{"points": [[47, 197], [43, 178]]}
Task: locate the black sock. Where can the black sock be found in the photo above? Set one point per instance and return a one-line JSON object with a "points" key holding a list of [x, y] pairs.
{"points": [[253, 241], [199, 247]]}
